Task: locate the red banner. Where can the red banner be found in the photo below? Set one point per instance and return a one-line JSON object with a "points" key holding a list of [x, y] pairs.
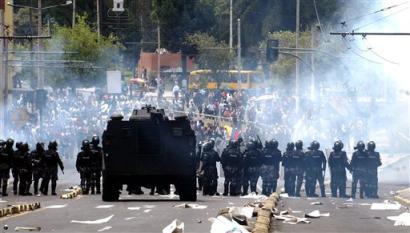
{"points": [[2, 4]]}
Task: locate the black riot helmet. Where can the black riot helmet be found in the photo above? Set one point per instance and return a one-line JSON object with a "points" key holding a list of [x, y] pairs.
{"points": [[251, 145], [24, 147], [40, 147], [371, 146], [290, 146], [95, 140], [338, 146], [2, 143], [360, 146], [207, 146], [212, 142], [18, 145], [274, 143], [299, 145], [85, 145], [315, 145], [52, 145], [10, 143]]}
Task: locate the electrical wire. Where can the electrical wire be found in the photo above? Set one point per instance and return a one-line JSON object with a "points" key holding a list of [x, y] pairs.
{"points": [[382, 18], [350, 49], [370, 48], [375, 12]]}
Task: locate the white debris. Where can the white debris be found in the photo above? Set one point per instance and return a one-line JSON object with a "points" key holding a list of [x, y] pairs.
{"points": [[316, 203], [130, 218], [191, 206], [401, 220], [316, 214], [386, 205], [104, 206], [56, 206], [255, 196], [245, 211], [222, 224], [365, 204], [284, 195], [149, 206], [170, 196], [290, 219], [2, 201], [147, 210], [105, 228], [134, 208], [27, 229], [98, 221], [350, 199], [231, 203], [176, 226]]}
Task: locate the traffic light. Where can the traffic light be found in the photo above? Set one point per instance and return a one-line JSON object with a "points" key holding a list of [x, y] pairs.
{"points": [[271, 50]]}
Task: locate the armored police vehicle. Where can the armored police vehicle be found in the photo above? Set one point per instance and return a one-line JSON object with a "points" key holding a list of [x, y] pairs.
{"points": [[149, 150]]}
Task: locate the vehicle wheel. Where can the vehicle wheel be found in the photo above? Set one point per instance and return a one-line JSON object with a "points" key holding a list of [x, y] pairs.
{"points": [[187, 189], [110, 191]]}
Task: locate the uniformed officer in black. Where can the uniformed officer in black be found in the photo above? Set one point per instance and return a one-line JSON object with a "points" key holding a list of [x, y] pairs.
{"points": [[36, 156], [288, 178], [50, 163], [5, 164], [315, 161], [338, 163], [96, 164], [359, 166], [251, 165], [231, 161], [297, 162], [198, 156], [14, 170], [84, 165], [208, 170], [372, 165], [22, 163], [271, 157]]}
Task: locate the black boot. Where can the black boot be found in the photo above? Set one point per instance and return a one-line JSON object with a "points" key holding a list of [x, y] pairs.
{"points": [[4, 191], [53, 188], [226, 189]]}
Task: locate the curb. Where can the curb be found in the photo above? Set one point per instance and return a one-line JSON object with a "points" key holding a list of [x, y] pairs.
{"points": [[400, 199], [76, 191], [17, 209], [263, 221]]}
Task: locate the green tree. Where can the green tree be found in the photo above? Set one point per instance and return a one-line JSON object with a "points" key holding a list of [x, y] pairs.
{"points": [[212, 54], [87, 57]]}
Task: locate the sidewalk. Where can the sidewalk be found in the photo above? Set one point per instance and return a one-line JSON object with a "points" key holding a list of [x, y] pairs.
{"points": [[403, 197]]}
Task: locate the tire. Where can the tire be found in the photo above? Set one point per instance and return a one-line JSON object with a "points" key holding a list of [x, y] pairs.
{"points": [[110, 191], [187, 189]]}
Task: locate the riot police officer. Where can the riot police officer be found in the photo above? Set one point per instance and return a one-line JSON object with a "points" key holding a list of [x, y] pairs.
{"points": [[315, 161], [251, 167], [358, 164], [50, 163], [289, 189], [14, 170], [22, 164], [96, 163], [338, 163], [207, 168], [231, 161], [271, 158], [5, 164], [36, 156], [198, 156], [297, 166], [373, 163], [84, 165]]}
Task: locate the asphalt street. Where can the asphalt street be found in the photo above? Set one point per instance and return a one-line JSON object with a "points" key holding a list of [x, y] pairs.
{"points": [[151, 214]]}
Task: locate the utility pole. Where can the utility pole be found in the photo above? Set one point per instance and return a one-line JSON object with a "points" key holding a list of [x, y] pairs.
{"points": [[297, 61], [74, 9], [239, 64], [230, 26], [312, 64], [98, 19], [3, 87], [40, 78], [158, 58]]}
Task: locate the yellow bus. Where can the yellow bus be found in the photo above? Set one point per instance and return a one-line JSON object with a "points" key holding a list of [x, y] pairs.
{"points": [[226, 79]]}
